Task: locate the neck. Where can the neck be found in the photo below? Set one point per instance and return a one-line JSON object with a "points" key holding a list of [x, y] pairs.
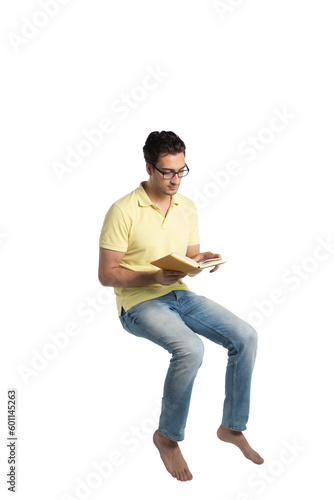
{"points": [[155, 195]]}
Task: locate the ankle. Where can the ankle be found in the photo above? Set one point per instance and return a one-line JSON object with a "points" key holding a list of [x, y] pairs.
{"points": [[165, 439], [229, 431]]}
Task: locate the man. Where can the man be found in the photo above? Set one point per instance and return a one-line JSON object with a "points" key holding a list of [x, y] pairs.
{"points": [[148, 223]]}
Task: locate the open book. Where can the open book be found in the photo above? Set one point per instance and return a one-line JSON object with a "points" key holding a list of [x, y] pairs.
{"points": [[178, 262]]}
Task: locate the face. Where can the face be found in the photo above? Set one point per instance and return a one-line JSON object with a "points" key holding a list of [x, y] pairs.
{"points": [[168, 163]]}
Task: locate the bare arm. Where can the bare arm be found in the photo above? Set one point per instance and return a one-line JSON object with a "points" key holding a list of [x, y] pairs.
{"points": [[192, 251], [110, 274]]}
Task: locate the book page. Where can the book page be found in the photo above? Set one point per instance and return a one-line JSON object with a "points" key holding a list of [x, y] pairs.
{"points": [[209, 261], [184, 258]]}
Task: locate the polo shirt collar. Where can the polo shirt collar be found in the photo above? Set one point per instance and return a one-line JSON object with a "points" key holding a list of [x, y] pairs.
{"points": [[144, 200]]}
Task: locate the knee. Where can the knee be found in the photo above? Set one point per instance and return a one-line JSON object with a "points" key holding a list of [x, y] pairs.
{"points": [[248, 337], [199, 352], [196, 353], [251, 338], [192, 352]]}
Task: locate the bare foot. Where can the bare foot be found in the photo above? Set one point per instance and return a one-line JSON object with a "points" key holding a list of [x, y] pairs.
{"points": [[172, 457], [237, 438]]}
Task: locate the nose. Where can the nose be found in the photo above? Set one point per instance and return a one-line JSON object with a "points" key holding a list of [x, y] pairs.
{"points": [[176, 179]]}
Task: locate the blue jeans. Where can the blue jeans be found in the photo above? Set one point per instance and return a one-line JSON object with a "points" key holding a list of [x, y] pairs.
{"points": [[174, 321]]}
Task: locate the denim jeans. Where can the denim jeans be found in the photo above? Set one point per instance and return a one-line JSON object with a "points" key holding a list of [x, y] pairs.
{"points": [[174, 322]]}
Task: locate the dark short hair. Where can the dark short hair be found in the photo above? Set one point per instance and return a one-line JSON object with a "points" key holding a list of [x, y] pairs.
{"points": [[162, 143]]}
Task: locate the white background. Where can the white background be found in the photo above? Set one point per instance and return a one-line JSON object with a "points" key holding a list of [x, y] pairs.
{"points": [[224, 75]]}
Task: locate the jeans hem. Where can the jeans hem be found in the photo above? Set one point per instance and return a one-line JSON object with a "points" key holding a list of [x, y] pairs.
{"points": [[165, 434], [234, 428]]}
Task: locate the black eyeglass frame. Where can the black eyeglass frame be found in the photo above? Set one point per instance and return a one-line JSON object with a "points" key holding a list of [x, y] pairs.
{"points": [[174, 173]]}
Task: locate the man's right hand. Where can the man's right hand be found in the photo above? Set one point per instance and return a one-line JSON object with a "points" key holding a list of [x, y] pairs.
{"points": [[164, 277]]}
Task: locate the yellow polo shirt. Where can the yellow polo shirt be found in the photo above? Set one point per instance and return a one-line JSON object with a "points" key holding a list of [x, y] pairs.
{"points": [[138, 227]]}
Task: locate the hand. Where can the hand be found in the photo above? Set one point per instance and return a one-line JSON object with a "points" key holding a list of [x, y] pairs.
{"points": [[164, 277], [207, 255]]}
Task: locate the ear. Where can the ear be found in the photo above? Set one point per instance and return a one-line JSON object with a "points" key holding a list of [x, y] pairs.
{"points": [[149, 169]]}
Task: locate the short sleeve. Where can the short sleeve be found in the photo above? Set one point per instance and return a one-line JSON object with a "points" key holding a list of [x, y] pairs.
{"points": [[194, 233], [115, 230]]}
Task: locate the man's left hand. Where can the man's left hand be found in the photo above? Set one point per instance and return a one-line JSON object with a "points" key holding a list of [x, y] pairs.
{"points": [[207, 255]]}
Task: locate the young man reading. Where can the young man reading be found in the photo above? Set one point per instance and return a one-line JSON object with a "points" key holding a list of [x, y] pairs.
{"points": [[152, 221]]}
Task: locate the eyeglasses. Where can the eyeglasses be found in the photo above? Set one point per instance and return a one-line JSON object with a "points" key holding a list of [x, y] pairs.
{"points": [[169, 175]]}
